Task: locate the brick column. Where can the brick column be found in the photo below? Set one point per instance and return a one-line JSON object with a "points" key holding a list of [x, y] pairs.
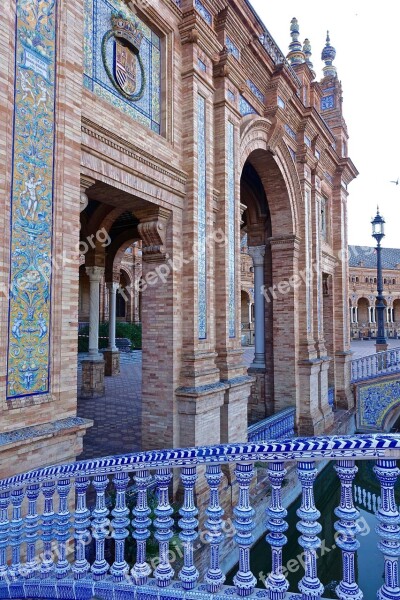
{"points": [[159, 229], [93, 366], [343, 393], [285, 253]]}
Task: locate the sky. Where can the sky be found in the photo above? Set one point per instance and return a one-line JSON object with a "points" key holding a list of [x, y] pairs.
{"points": [[365, 35]]}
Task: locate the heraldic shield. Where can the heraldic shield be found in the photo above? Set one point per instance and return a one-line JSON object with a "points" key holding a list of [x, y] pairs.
{"points": [[125, 64]]}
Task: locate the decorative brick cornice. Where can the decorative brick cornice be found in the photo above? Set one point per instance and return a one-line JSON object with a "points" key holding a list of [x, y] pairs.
{"points": [[114, 141]]}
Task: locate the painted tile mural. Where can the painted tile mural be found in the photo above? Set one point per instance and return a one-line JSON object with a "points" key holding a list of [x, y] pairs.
{"points": [[128, 79], [231, 230], [202, 216], [32, 199], [375, 400]]}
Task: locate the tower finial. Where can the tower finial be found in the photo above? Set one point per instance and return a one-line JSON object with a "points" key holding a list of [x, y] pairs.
{"points": [[296, 54], [328, 56], [307, 53]]}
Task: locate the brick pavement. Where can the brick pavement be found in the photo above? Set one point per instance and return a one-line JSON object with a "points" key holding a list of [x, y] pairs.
{"points": [[116, 415]]}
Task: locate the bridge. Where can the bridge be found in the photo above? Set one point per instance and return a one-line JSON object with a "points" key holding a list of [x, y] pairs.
{"points": [[376, 384], [46, 524]]}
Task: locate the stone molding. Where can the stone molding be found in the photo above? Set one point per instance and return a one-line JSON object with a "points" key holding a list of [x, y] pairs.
{"points": [[153, 229], [110, 139], [86, 183]]}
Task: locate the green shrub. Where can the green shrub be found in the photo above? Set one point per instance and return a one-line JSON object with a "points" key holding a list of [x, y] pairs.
{"points": [[132, 331]]}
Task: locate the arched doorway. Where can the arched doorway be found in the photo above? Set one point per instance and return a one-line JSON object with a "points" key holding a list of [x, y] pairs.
{"points": [[365, 317]]}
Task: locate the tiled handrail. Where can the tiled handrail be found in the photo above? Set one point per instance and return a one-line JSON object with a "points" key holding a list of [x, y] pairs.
{"points": [[36, 516], [276, 427], [373, 365]]}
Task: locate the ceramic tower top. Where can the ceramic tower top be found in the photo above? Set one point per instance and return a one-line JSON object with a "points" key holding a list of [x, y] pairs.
{"points": [[328, 56]]}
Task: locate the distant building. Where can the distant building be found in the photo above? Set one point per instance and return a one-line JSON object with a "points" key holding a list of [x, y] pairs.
{"points": [[363, 291]]}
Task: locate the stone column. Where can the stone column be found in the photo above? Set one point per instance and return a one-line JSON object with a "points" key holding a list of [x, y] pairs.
{"points": [[93, 366], [111, 355], [257, 253]]}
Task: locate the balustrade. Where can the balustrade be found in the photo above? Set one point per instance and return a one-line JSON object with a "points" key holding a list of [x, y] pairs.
{"points": [[380, 363], [43, 540]]}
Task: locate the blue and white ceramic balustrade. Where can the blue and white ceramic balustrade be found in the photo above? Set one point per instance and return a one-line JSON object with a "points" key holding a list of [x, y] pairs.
{"points": [[46, 521]]}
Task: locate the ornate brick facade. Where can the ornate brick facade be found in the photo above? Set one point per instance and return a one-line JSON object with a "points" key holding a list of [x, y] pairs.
{"points": [[363, 291], [178, 126]]}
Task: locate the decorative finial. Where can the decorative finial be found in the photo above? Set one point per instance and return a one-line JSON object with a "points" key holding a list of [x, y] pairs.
{"points": [[296, 54], [328, 56], [307, 54]]}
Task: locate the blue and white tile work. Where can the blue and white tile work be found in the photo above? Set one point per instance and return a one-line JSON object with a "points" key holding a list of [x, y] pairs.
{"points": [[203, 12], [328, 102], [375, 400], [254, 89], [232, 48], [32, 199], [245, 107], [231, 231], [202, 217], [100, 49]]}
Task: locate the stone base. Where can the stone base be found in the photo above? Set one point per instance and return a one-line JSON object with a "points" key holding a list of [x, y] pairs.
{"points": [[381, 347], [111, 367], [92, 378]]}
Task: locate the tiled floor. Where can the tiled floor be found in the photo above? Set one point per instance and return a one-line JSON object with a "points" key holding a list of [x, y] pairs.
{"points": [[116, 415]]}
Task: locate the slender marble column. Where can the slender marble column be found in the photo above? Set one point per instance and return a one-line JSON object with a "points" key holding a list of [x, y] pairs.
{"points": [[112, 305], [257, 253], [95, 274]]}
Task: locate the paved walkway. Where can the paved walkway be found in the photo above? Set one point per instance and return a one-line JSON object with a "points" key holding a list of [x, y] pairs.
{"points": [[116, 415]]}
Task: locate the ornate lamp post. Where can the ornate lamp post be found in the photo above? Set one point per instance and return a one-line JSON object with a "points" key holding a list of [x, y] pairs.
{"points": [[378, 232]]}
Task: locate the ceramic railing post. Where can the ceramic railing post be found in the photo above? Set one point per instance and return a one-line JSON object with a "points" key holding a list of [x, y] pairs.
{"points": [[214, 577], [4, 532], [48, 522], [81, 566], [188, 523], [31, 530], [120, 522], [141, 523], [310, 586], [16, 531], [163, 523], [62, 528], [347, 529], [388, 528], [276, 583], [244, 579], [100, 524]]}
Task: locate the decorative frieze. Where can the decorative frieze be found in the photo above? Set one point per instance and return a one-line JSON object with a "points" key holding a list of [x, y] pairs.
{"points": [[201, 217], [231, 231]]}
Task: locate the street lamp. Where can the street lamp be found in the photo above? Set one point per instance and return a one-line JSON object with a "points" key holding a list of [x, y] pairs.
{"points": [[378, 232]]}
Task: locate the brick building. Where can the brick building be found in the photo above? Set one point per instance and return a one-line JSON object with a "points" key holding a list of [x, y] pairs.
{"points": [[175, 127], [363, 291]]}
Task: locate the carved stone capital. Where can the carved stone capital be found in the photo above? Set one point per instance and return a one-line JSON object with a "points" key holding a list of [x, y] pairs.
{"points": [[95, 273], [153, 230], [86, 182], [257, 253]]}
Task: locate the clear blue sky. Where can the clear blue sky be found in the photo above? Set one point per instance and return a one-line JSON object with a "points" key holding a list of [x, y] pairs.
{"points": [[365, 35]]}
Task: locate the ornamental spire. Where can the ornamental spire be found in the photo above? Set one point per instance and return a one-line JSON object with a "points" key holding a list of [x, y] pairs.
{"points": [[307, 53], [328, 56], [296, 54]]}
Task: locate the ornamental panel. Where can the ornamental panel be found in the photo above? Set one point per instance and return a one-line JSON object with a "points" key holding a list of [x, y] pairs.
{"points": [[32, 199], [122, 61]]}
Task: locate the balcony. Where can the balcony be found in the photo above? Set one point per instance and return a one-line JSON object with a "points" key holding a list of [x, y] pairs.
{"points": [[46, 525]]}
